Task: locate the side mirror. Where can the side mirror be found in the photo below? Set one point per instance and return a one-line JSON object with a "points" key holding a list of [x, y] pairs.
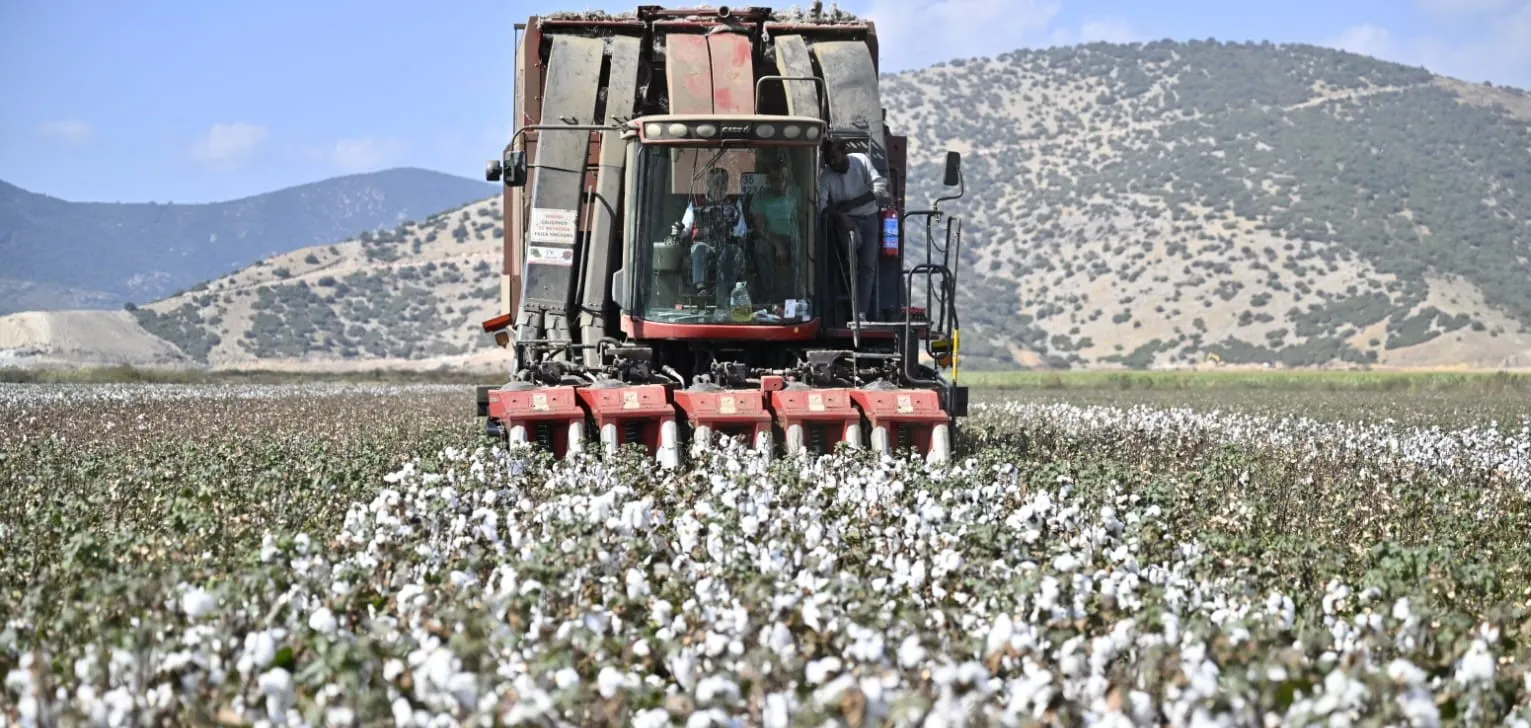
{"points": [[619, 290], [953, 169], [515, 169]]}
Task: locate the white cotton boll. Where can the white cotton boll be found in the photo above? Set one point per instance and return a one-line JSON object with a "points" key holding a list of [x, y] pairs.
{"points": [[1000, 633], [972, 673], [831, 692], [819, 670], [651, 718], [403, 714], [1142, 707], [813, 536], [197, 602], [322, 621], [565, 678], [713, 716], [776, 713], [464, 690], [810, 613], [641, 648], [777, 638], [339, 716], [94, 708], [1419, 707], [1405, 672], [609, 681], [119, 706], [392, 669], [1065, 563], [714, 644], [868, 646], [1477, 665], [276, 685], [683, 666], [1114, 719], [717, 689], [946, 562], [259, 651]]}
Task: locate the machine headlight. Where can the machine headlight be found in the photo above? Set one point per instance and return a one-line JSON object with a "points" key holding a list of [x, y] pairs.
{"points": [[706, 131], [677, 129], [811, 132], [765, 131], [791, 131], [654, 130]]}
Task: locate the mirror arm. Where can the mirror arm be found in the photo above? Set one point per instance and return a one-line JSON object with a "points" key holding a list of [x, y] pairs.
{"points": [[961, 190]]}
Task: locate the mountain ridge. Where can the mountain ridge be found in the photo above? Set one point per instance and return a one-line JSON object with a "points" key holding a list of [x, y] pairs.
{"points": [[1141, 205], [69, 254], [1274, 186]]}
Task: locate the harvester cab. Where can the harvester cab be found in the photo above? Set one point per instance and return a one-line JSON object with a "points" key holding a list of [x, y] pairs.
{"points": [[669, 277]]}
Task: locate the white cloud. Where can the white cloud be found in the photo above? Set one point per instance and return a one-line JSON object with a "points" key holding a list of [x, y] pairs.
{"points": [[1494, 47], [1097, 30], [69, 131], [228, 146], [917, 33], [1109, 30], [1365, 39], [364, 154]]}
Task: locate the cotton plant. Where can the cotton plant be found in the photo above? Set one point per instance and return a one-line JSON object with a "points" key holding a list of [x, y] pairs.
{"points": [[491, 585]]}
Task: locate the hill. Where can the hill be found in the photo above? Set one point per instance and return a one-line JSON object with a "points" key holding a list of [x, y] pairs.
{"points": [[1154, 204], [63, 255], [414, 295], [1142, 205]]}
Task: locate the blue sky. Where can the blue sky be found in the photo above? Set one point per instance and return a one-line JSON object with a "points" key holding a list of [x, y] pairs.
{"points": [[181, 101]]}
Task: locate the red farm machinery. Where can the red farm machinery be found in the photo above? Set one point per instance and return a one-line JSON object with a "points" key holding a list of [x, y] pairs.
{"points": [[631, 323]]}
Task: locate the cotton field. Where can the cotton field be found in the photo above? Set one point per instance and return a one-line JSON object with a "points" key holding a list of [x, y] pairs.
{"points": [[355, 556]]}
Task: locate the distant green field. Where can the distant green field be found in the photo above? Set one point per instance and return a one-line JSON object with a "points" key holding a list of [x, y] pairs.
{"points": [[1308, 380], [1322, 380]]}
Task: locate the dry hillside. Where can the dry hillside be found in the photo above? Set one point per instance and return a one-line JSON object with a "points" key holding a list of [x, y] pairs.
{"points": [[416, 293], [1151, 205]]}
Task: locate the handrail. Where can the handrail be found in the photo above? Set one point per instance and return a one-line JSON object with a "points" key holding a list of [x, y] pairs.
{"points": [[823, 92]]}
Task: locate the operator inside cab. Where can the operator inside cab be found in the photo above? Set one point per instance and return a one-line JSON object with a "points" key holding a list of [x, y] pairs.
{"points": [[716, 226], [852, 194]]}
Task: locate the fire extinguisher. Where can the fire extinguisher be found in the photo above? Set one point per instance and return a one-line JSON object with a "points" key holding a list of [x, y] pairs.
{"points": [[890, 241]]}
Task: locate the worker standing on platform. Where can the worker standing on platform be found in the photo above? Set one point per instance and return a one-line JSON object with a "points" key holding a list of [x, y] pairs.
{"points": [[851, 187]]}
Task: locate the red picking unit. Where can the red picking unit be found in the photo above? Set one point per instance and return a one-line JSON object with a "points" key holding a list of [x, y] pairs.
{"points": [[816, 419], [906, 418], [634, 413], [550, 416], [730, 412]]}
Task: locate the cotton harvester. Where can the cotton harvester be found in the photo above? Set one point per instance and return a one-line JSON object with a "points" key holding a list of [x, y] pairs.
{"points": [[631, 316]]}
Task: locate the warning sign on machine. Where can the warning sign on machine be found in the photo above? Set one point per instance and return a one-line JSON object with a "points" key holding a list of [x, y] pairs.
{"points": [[551, 225]]}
